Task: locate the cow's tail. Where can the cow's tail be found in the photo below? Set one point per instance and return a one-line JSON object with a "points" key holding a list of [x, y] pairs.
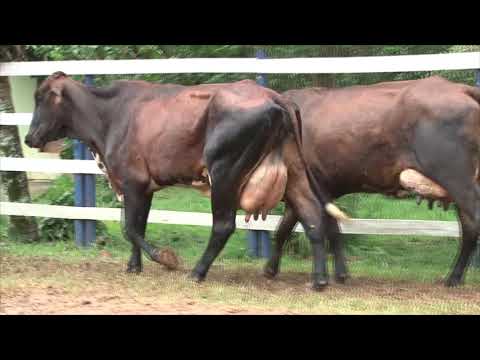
{"points": [[294, 119]]}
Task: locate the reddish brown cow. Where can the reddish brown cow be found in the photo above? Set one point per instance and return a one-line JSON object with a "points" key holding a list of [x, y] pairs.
{"points": [[420, 136], [239, 141]]}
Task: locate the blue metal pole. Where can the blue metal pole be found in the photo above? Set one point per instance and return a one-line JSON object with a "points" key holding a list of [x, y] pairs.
{"points": [[89, 191], [261, 78], [253, 243], [79, 225], [265, 243], [89, 200], [476, 256], [259, 240]]}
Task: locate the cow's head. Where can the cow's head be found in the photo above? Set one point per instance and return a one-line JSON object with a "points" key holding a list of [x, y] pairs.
{"points": [[52, 112]]}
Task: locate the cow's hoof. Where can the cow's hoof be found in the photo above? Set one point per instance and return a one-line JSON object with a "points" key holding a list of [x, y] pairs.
{"points": [[156, 256], [319, 285], [341, 278], [167, 258], [134, 269], [453, 282], [269, 273], [196, 277]]}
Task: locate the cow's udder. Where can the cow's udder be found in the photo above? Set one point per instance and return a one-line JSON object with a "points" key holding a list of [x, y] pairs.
{"points": [[416, 182], [265, 187]]}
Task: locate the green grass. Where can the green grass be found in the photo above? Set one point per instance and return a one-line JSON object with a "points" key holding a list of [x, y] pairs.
{"points": [[375, 206]]}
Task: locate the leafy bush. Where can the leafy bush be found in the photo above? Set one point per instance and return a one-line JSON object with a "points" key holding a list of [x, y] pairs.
{"points": [[57, 229], [61, 193]]}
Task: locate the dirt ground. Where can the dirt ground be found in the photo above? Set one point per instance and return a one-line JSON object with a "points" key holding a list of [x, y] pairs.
{"points": [[100, 286]]}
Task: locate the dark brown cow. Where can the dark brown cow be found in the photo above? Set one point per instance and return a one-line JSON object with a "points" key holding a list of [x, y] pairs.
{"points": [[239, 141], [419, 136]]}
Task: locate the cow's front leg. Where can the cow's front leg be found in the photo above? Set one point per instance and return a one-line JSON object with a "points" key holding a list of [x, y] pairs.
{"points": [[134, 219], [135, 262]]}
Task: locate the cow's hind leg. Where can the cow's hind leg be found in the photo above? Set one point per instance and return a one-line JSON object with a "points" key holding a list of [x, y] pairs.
{"points": [[469, 242], [223, 200], [313, 221], [337, 245], [446, 155], [283, 233], [232, 149], [223, 211]]}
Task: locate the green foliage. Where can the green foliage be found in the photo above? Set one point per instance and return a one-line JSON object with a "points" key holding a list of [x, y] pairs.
{"points": [[105, 196], [67, 152], [61, 193], [57, 229], [3, 227]]}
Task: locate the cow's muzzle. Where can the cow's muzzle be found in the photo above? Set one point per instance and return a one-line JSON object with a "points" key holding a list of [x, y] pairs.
{"points": [[28, 140], [33, 142]]}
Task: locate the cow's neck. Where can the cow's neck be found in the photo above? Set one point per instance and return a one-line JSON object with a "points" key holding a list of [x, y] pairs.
{"points": [[88, 122]]}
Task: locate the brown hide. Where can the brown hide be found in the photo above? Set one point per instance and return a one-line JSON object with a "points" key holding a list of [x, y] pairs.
{"points": [[167, 138], [360, 137]]}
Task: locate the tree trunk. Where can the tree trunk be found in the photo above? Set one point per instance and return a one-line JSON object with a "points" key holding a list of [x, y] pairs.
{"points": [[14, 183]]}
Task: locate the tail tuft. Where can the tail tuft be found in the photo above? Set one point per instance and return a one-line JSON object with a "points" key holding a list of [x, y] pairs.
{"points": [[334, 211]]}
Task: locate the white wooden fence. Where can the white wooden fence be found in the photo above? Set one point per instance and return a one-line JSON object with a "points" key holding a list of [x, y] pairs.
{"points": [[459, 61]]}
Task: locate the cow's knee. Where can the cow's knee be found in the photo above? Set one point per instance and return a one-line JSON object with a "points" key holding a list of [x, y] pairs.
{"points": [[132, 235]]}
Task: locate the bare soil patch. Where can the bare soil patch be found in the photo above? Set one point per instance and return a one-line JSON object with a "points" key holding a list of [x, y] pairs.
{"points": [[39, 285]]}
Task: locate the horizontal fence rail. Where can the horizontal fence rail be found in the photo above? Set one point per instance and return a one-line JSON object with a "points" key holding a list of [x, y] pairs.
{"points": [[58, 166], [366, 64], [15, 118], [354, 226]]}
